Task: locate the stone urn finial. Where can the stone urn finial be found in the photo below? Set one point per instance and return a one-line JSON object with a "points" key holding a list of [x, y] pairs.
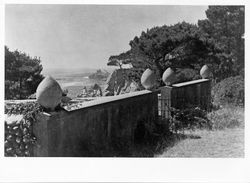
{"points": [[148, 79], [205, 72], [168, 77], [49, 93]]}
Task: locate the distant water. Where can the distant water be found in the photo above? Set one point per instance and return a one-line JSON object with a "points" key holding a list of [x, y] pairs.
{"points": [[74, 82]]}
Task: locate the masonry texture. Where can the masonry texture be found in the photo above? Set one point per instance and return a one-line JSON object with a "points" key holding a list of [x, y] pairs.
{"points": [[98, 130]]}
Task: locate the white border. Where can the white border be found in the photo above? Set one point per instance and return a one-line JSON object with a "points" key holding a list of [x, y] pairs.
{"points": [[125, 169]]}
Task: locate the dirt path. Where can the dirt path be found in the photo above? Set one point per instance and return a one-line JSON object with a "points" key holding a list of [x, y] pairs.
{"points": [[212, 144]]}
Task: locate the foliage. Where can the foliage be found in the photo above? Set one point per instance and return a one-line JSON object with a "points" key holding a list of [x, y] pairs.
{"points": [[225, 25], [229, 91], [19, 138], [22, 74], [93, 91], [227, 117], [179, 46], [121, 59], [188, 119], [216, 41], [184, 75]]}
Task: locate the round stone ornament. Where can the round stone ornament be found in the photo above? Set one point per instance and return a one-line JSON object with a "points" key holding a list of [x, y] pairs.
{"points": [[148, 79], [49, 93], [168, 77], [205, 72]]}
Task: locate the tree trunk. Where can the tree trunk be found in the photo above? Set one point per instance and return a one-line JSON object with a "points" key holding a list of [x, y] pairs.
{"points": [[160, 69], [20, 88]]}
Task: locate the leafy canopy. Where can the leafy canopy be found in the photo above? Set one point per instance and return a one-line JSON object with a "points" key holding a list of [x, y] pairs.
{"points": [[22, 74], [216, 41], [225, 24]]}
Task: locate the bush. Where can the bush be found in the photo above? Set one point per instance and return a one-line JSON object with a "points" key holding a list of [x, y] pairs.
{"points": [[227, 117], [187, 74], [189, 118], [229, 91]]}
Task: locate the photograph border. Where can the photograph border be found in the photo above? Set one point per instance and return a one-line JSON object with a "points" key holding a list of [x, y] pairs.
{"points": [[126, 169]]}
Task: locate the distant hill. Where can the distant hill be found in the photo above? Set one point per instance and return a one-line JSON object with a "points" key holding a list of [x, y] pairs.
{"points": [[99, 75]]}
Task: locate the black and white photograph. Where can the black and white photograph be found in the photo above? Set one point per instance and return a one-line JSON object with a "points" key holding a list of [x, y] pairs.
{"points": [[122, 81]]}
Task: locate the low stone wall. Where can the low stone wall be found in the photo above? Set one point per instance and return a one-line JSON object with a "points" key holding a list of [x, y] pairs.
{"points": [[102, 127], [182, 95], [109, 126]]}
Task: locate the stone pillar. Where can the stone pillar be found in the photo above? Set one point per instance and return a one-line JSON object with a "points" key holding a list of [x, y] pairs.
{"points": [[166, 101]]}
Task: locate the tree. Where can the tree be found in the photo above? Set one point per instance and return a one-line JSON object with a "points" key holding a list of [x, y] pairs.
{"points": [[182, 45], [217, 41], [225, 24], [121, 59], [128, 58], [22, 74]]}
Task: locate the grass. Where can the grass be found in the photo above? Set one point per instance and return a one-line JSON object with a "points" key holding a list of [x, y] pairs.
{"points": [[227, 117], [226, 140], [227, 143], [208, 144]]}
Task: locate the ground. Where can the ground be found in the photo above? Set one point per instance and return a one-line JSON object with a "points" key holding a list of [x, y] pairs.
{"points": [[228, 143]]}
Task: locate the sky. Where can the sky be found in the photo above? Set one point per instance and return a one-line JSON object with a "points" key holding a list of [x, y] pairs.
{"points": [[85, 36]]}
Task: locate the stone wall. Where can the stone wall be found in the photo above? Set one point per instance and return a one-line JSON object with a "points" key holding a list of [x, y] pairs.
{"points": [[102, 127], [112, 126], [182, 95]]}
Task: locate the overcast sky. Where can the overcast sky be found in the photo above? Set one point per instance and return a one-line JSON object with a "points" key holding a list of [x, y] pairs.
{"points": [[84, 36]]}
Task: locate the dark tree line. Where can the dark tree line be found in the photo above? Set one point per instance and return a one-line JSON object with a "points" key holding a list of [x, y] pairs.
{"points": [[22, 74], [217, 41], [226, 26]]}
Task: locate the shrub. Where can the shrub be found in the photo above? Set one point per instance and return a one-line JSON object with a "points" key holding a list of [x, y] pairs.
{"points": [[229, 91], [187, 74], [189, 118], [227, 117]]}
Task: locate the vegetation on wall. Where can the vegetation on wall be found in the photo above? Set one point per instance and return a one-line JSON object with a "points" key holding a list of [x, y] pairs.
{"points": [[19, 138]]}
